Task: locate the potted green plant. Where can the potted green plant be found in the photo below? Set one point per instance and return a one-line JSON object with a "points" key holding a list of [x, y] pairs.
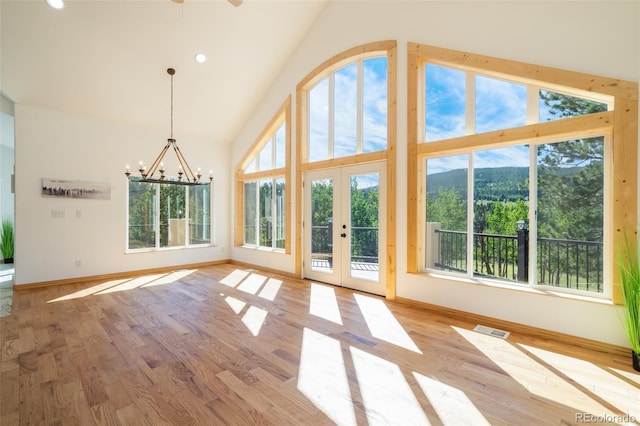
{"points": [[6, 240], [630, 279]]}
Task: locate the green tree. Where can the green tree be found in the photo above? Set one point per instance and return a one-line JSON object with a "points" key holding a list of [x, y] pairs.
{"points": [[564, 106], [364, 221], [321, 212], [141, 215], [505, 216], [448, 208], [571, 177]]}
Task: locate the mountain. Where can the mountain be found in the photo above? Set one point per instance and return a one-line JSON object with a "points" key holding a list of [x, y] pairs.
{"points": [[492, 183]]}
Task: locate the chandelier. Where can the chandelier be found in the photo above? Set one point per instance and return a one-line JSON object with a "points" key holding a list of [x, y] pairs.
{"points": [[186, 176]]}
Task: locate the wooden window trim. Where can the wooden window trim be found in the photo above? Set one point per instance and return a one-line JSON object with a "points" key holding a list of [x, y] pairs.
{"points": [[388, 48], [622, 122], [282, 115]]}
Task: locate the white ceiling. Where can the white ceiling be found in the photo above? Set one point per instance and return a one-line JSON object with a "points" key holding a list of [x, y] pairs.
{"points": [[108, 58]]}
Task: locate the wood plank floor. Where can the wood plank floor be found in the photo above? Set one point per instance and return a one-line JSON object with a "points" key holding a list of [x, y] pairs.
{"points": [[223, 345]]}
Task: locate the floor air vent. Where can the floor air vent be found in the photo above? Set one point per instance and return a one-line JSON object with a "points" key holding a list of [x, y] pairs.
{"points": [[491, 331]]}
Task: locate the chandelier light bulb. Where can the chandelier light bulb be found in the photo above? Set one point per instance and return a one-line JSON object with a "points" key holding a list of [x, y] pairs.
{"points": [[184, 169]]}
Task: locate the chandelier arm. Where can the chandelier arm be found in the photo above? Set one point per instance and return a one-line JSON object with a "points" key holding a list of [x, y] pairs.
{"points": [[158, 160], [191, 178], [185, 166]]}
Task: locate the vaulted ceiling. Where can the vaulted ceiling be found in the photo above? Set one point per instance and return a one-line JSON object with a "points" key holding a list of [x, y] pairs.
{"points": [[108, 58]]}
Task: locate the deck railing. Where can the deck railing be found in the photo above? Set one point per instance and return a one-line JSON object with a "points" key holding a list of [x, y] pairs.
{"points": [[364, 243], [560, 262]]}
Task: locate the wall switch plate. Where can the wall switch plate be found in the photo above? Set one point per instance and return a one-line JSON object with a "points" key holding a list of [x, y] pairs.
{"points": [[57, 214]]}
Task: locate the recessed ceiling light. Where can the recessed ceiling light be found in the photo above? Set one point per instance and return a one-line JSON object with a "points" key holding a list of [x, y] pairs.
{"points": [[56, 4], [201, 58]]}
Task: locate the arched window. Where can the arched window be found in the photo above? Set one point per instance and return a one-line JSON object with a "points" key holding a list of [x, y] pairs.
{"points": [[262, 187], [347, 110], [346, 115]]}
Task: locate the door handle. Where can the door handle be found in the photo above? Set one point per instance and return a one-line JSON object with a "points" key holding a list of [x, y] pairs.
{"points": [[343, 235]]}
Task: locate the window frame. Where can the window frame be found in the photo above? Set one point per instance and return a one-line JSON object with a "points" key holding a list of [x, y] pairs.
{"points": [[621, 124], [283, 115], [156, 216], [532, 219], [386, 48]]}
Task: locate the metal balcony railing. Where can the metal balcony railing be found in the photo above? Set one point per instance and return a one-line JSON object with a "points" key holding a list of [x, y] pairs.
{"points": [[364, 245], [563, 263]]}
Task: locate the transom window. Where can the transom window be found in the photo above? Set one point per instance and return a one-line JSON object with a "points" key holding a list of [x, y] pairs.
{"points": [[261, 218], [348, 111], [461, 102], [272, 155], [517, 173]]}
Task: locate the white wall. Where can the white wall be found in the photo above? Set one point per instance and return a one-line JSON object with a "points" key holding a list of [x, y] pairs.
{"points": [[53, 144], [594, 37]]}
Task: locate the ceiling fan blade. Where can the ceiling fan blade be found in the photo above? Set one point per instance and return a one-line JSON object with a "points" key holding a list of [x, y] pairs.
{"points": [[236, 3], [178, 1]]}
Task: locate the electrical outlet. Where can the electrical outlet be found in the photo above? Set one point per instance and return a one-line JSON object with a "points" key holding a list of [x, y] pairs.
{"points": [[57, 214], [78, 263]]}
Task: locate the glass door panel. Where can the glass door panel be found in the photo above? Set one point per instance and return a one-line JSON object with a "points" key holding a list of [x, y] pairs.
{"points": [[364, 226], [343, 239], [322, 225]]}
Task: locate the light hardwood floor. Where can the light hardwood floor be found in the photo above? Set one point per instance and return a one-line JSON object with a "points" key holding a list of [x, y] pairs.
{"points": [[224, 345]]}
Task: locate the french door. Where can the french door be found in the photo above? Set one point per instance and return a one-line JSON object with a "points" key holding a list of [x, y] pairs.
{"points": [[344, 237]]}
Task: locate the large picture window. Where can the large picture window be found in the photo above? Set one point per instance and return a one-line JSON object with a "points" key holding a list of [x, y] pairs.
{"points": [[522, 182], [162, 215], [261, 188], [566, 238]]}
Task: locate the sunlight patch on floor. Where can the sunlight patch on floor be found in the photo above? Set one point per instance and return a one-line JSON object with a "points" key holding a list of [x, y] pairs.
{"points": [[323, 303], [382, 324], [248, 282], [252, 283], [234, 278], [236, 305], [452, 405], [89, 291], [614, 390], [254, 319], [126, 284], [387, 397], [632, 377], [270, 289], [533, 376], [170, 278], [131, 284], [323, 377]]}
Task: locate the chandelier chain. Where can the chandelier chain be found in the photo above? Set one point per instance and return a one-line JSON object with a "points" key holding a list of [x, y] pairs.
{"points": [[189, 178]]}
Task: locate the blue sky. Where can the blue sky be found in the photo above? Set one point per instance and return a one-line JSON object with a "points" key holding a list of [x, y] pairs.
{"points": [[374, 114], [499, 104]]}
